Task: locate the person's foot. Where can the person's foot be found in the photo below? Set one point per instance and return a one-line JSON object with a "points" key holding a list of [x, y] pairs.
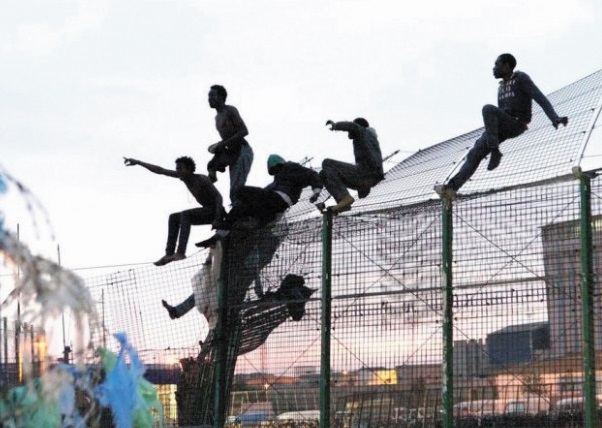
{"points": [[173, 314], [444, 190], [343, 205], [169, 258], [494, 160], [362, 193], [321, 207], [208, 242]]}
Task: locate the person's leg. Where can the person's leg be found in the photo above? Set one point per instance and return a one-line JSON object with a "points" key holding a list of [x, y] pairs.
{"points": [[499, 126], [194, 216], [181, 309], [473, 159], [243, 207], [336, 175], [239, 171], [268, 207], [173, 226]]}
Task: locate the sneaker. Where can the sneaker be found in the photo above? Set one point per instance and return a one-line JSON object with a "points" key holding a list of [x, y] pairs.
{"points": [[445, 190], [343, 205], [170, 310], [494, 160], [208, 242]]}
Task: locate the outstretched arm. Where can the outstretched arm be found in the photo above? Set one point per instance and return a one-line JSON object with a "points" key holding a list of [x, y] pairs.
{"points": [[343, 126], [152, 168]]}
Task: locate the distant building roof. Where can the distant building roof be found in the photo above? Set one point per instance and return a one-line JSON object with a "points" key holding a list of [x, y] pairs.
{"points": [[517, 328]]}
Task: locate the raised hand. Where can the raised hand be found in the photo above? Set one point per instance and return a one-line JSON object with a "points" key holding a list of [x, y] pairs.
{"points": [[560, 120]]}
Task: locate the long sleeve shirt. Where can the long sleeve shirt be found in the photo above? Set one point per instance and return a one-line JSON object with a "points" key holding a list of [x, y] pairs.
{"points": [[293, 178], [515, 97], [366, 148]]}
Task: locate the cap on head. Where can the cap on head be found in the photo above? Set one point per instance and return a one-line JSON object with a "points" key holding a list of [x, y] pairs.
{"points": [[274, 161], [362, 122]]}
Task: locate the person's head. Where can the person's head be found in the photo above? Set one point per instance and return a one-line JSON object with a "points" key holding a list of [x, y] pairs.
{"points": [[275, 164], [217, 96], [504, 66], [185, 166], [361, 122]]}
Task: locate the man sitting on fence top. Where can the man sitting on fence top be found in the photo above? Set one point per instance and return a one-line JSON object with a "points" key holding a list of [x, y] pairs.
{"points": [[515, 95], [264, 205], [203, 190], [367, 171]]}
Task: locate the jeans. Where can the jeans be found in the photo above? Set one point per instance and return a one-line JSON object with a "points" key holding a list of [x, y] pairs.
{"points": [[179, 224], [255, 202], [499, 126], [239, 171], [338, 176]]}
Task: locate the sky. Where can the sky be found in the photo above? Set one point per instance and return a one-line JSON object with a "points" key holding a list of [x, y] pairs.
{"points": [[84, 83]]}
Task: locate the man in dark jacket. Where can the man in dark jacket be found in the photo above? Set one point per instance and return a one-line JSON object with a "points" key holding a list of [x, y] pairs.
{"points": [[290, 178], [367, 171], [508, 120]]}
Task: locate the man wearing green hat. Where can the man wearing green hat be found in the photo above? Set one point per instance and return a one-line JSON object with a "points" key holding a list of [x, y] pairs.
{"points": [[290, 178]]}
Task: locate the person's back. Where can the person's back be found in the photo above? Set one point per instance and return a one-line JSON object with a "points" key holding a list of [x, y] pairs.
{"points": [[366, 149], [202, 189], [293, 178]]}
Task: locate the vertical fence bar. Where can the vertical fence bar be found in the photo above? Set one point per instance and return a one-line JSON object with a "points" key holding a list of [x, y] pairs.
{"points": [[587, 303], [448, 334], [326, 320], [5, 348], [222, 343]]}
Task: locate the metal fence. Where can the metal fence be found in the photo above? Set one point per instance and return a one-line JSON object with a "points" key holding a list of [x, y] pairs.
{"points": [[475, 310]]}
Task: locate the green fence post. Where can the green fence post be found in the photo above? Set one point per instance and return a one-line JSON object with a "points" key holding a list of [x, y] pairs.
{"points": [[448, 296], [326, 320], [222, 343], [587, 301]]}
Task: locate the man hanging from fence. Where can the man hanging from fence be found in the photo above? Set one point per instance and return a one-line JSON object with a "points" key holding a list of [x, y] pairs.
{"points": [[206, 194], [367, 171], [509, 120], [264, 205]]}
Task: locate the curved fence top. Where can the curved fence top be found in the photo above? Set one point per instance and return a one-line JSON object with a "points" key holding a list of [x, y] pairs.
{"points": [[541, 153]]}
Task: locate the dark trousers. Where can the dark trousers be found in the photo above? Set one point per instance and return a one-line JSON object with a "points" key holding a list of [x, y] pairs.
{"points": [[255, 202], [339, 176], [499, 126], [179, 224]]}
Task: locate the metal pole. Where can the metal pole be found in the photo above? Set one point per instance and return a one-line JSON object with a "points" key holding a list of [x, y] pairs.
{"points": [[5, 346], [66, 349], [326, 320], [222, 343], [448, 296], [18, 321], [587, 303]]}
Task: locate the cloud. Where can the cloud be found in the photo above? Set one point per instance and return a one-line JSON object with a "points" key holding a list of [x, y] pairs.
{"points": [[50, 27]]}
